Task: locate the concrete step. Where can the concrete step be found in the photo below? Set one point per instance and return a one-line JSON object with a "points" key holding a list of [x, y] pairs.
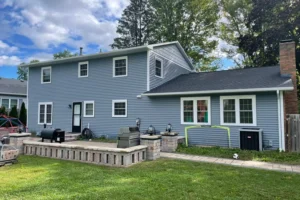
{"points": [[71, 136]]}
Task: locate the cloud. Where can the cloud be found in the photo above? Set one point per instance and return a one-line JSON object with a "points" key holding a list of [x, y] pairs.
{"points": [[9, 61], [6, 49], [40, 57], [52, 23]]}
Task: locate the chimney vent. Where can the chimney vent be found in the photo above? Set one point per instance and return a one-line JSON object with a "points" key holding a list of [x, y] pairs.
{"points": [[80, 52], [288, 67]]}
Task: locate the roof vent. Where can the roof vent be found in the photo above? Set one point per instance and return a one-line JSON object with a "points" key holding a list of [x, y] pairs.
{"points": [[80, 52]]}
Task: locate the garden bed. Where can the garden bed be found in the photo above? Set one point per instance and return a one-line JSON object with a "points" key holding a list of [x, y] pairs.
{"points": [[265, 156]]}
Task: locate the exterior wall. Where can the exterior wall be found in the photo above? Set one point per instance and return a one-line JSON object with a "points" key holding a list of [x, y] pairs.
{"points": [[23, 98], [174, 64]]}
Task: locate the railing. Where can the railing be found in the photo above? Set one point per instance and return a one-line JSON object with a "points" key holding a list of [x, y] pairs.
{"points": [[91, 154]]}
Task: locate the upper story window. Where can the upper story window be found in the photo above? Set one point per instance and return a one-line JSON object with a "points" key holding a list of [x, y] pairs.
{"points": [[158, 67], [120, 66], [83, 69], [46, 75], [119, 108], [238, 110], [89, 107], [45, 113], [195, 110]]}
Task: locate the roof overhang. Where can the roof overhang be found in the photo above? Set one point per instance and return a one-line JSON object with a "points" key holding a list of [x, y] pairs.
{"points": [[12, 94], [220, 91], [117, 52]]}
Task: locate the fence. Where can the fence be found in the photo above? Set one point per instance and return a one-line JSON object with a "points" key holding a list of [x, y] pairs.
{"points": [[292, 129]]}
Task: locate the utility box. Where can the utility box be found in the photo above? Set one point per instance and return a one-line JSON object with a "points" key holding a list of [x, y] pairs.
{"points": [[251, 139]]}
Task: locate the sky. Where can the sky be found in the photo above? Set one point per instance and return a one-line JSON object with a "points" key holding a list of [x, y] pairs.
{"points": [[36, 29]]}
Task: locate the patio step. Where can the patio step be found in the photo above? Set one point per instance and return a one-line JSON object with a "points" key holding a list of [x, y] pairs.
{"points": [[71, 136]]}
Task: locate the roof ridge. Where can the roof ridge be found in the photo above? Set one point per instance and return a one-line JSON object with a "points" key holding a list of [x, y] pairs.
{"points": [[247, 68]]}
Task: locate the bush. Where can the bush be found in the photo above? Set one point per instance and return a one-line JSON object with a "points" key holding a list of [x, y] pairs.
{"points": [[13, 112], [3, 111], [23, 114]]}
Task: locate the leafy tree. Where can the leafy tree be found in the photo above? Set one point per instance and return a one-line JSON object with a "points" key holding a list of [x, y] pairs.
{"points": [[23, 114], [64, 54], [3, 110], [191, 22], [135, 28], [13, 112], [22, 71]]}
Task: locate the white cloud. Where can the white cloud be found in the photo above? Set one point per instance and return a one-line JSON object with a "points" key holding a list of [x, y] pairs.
{"points": [[51, 23], [40, 57], [9, 61], [6, 49]]}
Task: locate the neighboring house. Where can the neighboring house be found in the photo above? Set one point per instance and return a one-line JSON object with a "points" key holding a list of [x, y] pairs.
{"points": [[157, 83], [13, 92]]}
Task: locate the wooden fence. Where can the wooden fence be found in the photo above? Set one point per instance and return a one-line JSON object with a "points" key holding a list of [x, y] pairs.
{"points": [[292, 129]]}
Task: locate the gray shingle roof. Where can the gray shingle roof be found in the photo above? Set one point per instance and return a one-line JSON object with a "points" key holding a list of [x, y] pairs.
{"points": [[239, 79], [13, 86]]}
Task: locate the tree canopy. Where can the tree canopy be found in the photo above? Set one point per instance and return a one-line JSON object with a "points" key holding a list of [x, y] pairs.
{"points": [[64, 54]]}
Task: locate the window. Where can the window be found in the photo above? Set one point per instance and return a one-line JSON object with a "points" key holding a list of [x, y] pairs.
{"points": [[119, 108], [83, 69], [5, 103], [158, 68], [46, 75], [13, 102], [45, 113], [195, 110], [89, 108], [238, 110], [120, 66]]}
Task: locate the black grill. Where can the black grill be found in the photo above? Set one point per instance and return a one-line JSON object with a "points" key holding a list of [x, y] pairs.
{"points": [[128, 137], [53, 134]]}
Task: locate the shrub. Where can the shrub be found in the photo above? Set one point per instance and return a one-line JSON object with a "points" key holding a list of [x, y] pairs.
{"points": [[13, 112], [23, 114], [3, 111]]}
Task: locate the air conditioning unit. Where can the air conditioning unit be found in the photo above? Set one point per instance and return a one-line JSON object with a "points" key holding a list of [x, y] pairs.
{"points": [[251, 139]]}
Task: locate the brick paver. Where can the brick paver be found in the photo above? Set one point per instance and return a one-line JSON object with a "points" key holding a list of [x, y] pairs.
{"points": [[232, 162]]}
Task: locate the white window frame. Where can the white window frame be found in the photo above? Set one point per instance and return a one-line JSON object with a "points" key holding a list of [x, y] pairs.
{"points": [[42, 69], [8, 102], [195, 99], [162, 68], [113, 107], [84, 108], [17, 103], [237, 110], [114, 70], [45, 114], [79, 69]]}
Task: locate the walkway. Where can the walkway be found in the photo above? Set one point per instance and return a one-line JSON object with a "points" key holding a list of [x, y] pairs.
{"points": [[238, 163]]}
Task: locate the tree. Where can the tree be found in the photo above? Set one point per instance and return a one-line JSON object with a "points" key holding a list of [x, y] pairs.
{"points": [[22, 71], [64, 54], [191, 22], [23, 114], [3, 110], [13, 112], [135, 28]]}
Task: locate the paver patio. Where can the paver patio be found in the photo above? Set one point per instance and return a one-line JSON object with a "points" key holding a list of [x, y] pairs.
{"points": [[239, 163]]}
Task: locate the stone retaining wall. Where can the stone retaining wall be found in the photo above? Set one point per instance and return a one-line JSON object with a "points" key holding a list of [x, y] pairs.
{"points": [[16, 140], [97, 155]]}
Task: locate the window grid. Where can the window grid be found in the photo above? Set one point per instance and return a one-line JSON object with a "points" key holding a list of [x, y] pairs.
{"points": [[13, 102], [89, 108], [188, 111], [45, 113], [83, 70], [46, 75], [5, 103], [229, 111], [120, 67], [195, 110], [246, 113], [202, 111], [158, 68]]}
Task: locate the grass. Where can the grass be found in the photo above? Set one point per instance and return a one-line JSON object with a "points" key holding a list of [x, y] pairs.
{"points": [[45, 178], [266, 156]]}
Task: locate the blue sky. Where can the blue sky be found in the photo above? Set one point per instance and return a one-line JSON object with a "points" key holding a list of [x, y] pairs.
{"points": [[33, 29]]}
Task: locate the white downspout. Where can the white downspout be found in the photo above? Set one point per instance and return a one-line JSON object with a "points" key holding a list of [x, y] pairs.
{"points": [[279, 120], [282, 121]]}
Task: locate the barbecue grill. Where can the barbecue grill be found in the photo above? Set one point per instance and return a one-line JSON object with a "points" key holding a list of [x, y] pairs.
{"points": [[128, 137], [8, 154], [53, 134]]}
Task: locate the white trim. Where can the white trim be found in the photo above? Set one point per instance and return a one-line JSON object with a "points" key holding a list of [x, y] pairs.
{"points": [[161, 67], [237, 110], [282, 120], [84, 108], [148, 70], [281, 133], [79, 69], [26, 106], [195, 99], [172, 61], [45, 113], [279, 120], [219, 91], [42, 80], [120, 58], [113, 107]]}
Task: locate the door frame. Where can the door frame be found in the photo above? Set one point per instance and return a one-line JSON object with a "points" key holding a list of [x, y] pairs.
{"points": [[80, 103]]}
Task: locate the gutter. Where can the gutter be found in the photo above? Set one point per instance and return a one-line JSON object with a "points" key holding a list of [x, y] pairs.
{"points": [[280, 121]]}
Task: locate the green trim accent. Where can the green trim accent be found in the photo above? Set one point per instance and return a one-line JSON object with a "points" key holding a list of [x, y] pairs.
{"points": [[214, 126]]}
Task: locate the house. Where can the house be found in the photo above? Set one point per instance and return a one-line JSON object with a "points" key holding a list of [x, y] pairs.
{"points": [[13, 92], [158, 84]]}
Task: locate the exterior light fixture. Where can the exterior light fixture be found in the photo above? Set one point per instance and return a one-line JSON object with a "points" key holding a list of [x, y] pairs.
{"points": [[138, 122], [70, 106], [151, 130], [169, 128]]}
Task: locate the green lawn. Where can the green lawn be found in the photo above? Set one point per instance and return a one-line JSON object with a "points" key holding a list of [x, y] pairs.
{"points": [[45, 178], [266, 156]]}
